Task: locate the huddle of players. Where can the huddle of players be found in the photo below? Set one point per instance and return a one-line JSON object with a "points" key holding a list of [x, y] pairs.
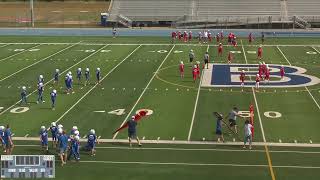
{"points": [[68, 83], [263, 71], [195, 67], [204, 36], [64, 142]]}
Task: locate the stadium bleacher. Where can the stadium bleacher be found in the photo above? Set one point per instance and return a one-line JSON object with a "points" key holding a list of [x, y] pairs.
{"points": [[239, 11]]}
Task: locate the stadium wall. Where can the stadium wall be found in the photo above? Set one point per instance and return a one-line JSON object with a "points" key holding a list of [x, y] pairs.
{"points": [[148, 32]]}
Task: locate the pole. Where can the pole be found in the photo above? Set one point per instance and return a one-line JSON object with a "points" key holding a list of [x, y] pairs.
{"points": [[31, 13]]}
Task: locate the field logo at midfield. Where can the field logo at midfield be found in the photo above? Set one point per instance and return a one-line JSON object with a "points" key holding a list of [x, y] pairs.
{"points": [[225, 75]]}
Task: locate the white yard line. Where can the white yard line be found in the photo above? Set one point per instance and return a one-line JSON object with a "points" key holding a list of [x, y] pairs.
{"points": [[196, 103], [255, 99], [314, 100], [19, 53], [315, 49], [2, 112], [96, 84], [35, 63], [144, 90], [284, 56], [195, 108]]}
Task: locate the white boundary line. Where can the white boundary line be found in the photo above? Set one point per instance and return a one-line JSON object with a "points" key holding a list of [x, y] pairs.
{"points": [[144, 90], [2, 112], [35, 63], [19, 53], [168, 44], [196, 103], [4, 45], [96, 84], [314, 100], [188, 149], [184, 142]]}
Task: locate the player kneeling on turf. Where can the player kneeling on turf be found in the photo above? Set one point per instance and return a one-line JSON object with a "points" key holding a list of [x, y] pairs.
{"points": [[132, 133], [247, 134], [44, 139]]}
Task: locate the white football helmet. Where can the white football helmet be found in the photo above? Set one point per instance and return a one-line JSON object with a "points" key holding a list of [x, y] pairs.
{"points": [[60, 130], [53, 124], [41, 76], [98, 69], [181, 62], [87, 69], [43, 128], [77, 138], [79, 69], [60, 126], [40, 84], [54, 91], [76, 132], [69, 72], [92, 131], [1, 127], [74, 128], [24, 88], [57, 70]]}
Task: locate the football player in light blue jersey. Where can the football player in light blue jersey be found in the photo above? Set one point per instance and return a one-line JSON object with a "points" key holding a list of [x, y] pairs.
{"points": [[2, 129], [91, 143], [7, 137], [75, 148], [79, 74], [87, 75], [56, 77], [24, 95], [44, 138], [53, 96], [41, 79], [40, 93], [54, 131], [98, 75], [63, 146]]}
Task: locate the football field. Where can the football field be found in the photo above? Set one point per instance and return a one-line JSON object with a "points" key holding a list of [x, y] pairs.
{"points": [[178, 135]]}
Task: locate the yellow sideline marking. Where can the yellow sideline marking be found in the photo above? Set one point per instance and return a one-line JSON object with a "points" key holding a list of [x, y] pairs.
{"points": [[269, 163]]}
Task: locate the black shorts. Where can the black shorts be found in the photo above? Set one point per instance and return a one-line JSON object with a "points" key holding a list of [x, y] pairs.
{"points": [[218, 132], [191, 59], [206, 61], [132, 134], [232, 122]]}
